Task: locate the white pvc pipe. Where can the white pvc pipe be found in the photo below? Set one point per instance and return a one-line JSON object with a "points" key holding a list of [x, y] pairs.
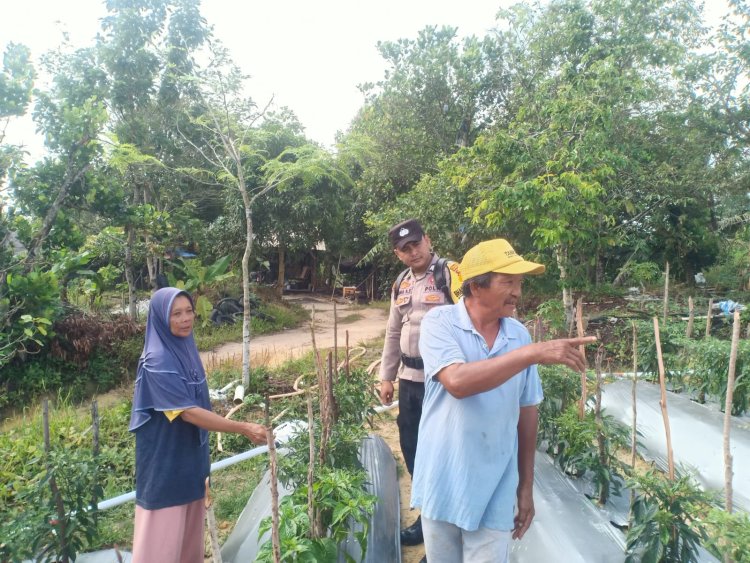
{"points": [[283, 432], [239, 394]]}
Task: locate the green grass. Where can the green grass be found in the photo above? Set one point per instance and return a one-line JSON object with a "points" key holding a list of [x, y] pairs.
{"points": [[231, 488], [350, 318], [280, 317], [21, 443]]}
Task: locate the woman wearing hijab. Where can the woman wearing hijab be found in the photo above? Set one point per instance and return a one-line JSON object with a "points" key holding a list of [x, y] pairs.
{"points": [[171, 418]]}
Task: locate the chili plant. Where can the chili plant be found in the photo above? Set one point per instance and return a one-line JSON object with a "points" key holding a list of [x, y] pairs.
{"points": [[578, 451], [342, 497], [709, 361], [561, 388], [662, 528], [729, 534]]}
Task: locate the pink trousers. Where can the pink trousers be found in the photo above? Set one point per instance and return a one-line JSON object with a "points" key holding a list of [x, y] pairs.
{"points": [[170, 535]]}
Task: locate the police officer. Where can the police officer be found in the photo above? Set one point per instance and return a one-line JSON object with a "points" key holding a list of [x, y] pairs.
{"points": [[417, 293]]}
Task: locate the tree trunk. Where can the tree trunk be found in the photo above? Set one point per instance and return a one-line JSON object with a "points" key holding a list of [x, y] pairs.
{"points": [[150, 257], [129, 273], [314, 272], [71, 177], [709, 317], [691, 317], [666, 294], [282, 270], [246, 286]]}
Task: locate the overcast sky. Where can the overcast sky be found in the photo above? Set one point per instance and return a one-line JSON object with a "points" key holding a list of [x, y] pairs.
{"points": [[309, 54]]}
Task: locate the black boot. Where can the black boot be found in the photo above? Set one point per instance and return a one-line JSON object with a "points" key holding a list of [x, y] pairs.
{"points": [[413, 534]]}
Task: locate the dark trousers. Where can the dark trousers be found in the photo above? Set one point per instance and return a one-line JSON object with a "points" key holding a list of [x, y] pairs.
{"points": [[410, 397]]}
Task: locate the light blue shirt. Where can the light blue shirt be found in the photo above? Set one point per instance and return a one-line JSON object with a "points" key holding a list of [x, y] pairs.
{"points": [[466, 468]]}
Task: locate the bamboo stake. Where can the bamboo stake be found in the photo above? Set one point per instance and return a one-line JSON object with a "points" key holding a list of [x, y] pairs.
{"points": [[316, 353], [334, 411], [213, 530], [311, 464], [95, 448], [322, 448], [708, 317], [663, 400], [56, 495], [604, 492], [633, 440], [728, 412], [579, 322], [272, 462], [634, 429], [691, 317], [666, 293]]}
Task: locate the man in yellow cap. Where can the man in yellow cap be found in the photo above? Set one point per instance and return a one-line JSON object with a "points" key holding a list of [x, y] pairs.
{"points": [[474, 467]]}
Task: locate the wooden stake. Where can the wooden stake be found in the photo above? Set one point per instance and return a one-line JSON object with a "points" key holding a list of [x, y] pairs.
{"points": [[663, 400], [728, 491], [579, 322], [634, 428], [709, 316], [316, 353], [666, 293], [272, 462], [691, 317], [213, 530]]}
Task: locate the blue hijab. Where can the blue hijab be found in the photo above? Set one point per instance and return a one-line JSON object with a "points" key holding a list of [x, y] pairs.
{"points": [[170, 373]]}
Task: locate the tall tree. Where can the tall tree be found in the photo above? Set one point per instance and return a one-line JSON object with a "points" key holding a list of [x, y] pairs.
{"points": [[148, 48], [436, 96]]}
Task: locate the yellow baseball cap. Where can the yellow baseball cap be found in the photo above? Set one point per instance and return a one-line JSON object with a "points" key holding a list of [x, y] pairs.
{"points": [[496, 255]]}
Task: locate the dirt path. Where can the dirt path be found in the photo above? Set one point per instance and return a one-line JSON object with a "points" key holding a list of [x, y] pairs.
{"points": [[361, 323]]}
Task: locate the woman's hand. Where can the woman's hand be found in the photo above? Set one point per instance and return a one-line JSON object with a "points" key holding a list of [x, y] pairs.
{"points": [[256, 433]]}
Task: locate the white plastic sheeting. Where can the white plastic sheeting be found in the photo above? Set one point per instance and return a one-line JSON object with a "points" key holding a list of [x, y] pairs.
{"points": [[383, 539], [697, 435], [243, 543], [567, 526]]}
